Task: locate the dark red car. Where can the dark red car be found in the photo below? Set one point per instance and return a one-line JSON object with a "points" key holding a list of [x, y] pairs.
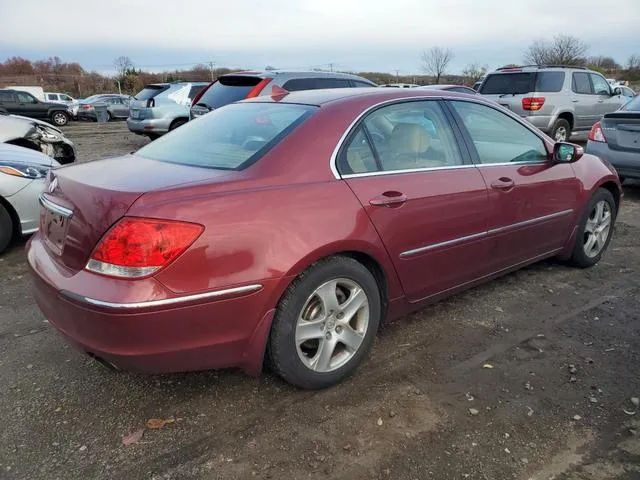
{"points": [[289, 227]]}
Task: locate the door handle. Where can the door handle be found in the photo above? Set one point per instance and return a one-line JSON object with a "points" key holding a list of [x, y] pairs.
{"points": [[600, 101], [389, 199], [503, 183]]}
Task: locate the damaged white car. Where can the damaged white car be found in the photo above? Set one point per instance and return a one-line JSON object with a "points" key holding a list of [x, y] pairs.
{"points": [[36, 135]]}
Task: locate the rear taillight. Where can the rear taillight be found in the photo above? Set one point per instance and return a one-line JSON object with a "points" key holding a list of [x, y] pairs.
{"points": [[255, 91], [151, 103], [596, 134], [87, 107], [138, 247], [532, 103]]}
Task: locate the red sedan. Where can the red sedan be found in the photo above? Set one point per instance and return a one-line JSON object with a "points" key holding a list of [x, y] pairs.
{"points": [[288, 227]]}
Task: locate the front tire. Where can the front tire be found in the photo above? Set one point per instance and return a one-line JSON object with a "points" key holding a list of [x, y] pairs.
{"points": [[561, 131], [6, 228], [595, 229], [325, 323], [60, 119]]}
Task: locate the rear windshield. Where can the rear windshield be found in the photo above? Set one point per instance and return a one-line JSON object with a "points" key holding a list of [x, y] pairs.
{"points": [[525, 82], [150, 91], [633, 105], [228, 89], [230, 138]]}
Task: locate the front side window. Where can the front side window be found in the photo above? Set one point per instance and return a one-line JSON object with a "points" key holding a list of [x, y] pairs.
{"points": [[412, 135], [499, 138], [600, 85], [229, 138], [66, 98], [581, 83]]}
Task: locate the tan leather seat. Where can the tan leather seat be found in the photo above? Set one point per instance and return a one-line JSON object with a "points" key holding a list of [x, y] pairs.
{"points": [[409, 148]]}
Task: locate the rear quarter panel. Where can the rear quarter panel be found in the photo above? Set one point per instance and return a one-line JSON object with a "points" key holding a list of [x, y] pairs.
{"points": [[266, 233]]}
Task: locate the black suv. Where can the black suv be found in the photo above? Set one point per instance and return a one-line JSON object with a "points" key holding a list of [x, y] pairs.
{"points": [[21, 103]]}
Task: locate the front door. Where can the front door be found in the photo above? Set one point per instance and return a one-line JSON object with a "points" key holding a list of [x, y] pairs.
{"points": [[30, 105], [533, 200], [605, 103], [426, 200]]}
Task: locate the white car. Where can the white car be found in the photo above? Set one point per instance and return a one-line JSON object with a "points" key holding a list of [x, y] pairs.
{"points": [[55, 97], [22, 175]]}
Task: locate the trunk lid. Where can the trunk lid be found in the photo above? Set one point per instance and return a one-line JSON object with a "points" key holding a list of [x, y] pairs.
{"points": [[80, 203], [622, 131]]}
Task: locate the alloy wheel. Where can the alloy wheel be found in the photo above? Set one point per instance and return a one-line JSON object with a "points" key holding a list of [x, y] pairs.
{"points": [[561, 134], [597, 229], [332, 325]]}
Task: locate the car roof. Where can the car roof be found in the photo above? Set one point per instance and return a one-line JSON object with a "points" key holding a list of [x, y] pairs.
{"points": [[376, 94], [535, 68], [297, 74]]}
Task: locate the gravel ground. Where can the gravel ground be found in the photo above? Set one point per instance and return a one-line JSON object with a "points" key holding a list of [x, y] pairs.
{"points": [[528, 377]]}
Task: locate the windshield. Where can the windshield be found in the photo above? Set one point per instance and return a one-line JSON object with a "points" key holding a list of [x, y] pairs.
{"points": [[230, 138], [633, 105], [525, 82], [228, 89]]}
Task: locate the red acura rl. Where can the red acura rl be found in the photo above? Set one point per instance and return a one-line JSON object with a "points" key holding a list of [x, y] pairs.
{"points": [[286, 228]]}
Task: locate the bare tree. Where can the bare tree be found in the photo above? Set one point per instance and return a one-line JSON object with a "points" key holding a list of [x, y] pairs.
{"points": [[436, 60], [634, 62], [123, 65], [563, 50], [603, 63], [474, 72]]}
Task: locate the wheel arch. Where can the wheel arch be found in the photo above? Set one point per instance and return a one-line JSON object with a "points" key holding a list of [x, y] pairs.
{"points": [[15, 219], [176, 120], [568, 116], [613, 188]]}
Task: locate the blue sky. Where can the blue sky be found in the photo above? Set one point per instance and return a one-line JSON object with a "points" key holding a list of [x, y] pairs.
{"points": [[353, 35]]}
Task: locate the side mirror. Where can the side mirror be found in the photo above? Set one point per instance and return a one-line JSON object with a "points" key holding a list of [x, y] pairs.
{"points": [[567, 152], [617, 91]]}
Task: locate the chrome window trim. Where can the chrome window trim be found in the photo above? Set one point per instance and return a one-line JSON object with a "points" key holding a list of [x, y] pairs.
{"points": [[406, 170], [54, 207], [163, 302], [493, 231]]}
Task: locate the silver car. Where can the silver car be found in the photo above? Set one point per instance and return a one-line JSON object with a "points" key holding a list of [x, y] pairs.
{"points": [[558, 100], [22, 176], [162, 107]]}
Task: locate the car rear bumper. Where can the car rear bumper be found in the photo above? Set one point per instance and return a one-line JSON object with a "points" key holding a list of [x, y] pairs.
{"points": [[84, 115], [151, 329], [157, 126], [627, 164]]}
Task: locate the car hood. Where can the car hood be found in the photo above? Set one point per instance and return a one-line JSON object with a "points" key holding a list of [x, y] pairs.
{"points": [[32, 121], [13, 153]]}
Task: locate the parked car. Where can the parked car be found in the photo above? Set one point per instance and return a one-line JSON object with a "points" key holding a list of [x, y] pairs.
{"points": [[400, 85], [117, 107], [22, 175], [450, 88], [25, 104], [295, 224], [59, 98], [238, 86], [37, 92], [616, 138], [557, 100], [36, 135], [476, 86], [626, 92], [162, 107]]}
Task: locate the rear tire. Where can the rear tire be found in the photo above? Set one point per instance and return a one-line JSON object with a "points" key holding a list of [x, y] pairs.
{"points": [[6, 228], [561, 131], [177, 123], [311, 344], [594, 230], [59, 119]]}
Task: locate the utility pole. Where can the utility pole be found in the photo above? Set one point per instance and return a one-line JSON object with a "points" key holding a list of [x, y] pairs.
{"points": [[331, 67], [211, 65], [397, 76]]}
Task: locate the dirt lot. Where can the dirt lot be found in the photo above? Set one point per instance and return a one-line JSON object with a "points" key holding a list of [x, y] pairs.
{"points": [[426, 405]]}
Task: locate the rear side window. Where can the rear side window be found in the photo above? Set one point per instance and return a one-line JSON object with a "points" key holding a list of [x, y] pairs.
{"points": [[52, 96], [581, 83], [150, 91], [549, 82], [315, 84], [361, 84], [230, 138], [6, 96], [228, 89], [195, 90]]}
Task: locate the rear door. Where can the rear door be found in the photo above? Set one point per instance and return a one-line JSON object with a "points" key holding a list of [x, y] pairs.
{"points": [[584, 100], [532, 200], [426, 200]]}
